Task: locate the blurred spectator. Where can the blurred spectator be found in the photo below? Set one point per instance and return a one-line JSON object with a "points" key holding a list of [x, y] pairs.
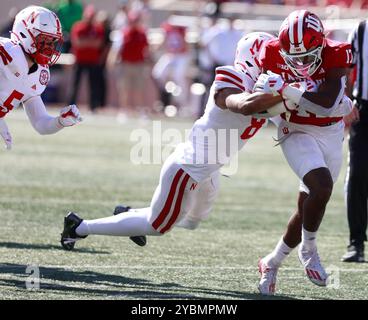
{"points": [[102, 19], [218, 45], [301, 3], [221, 42], [363, 4], [131, 51], [144, 9], [87, 38], [69, 12], [205, 64], [214, 7], [340, 3], [173, 64], [121, 18], [8, 25]]}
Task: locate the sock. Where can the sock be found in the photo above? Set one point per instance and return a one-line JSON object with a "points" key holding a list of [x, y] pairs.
{"points": [[131, 223], [308, 239], [278, 255]]}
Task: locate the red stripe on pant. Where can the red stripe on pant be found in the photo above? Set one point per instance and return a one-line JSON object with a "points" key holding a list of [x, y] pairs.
{"points": [[177, 208], [166, 209]]}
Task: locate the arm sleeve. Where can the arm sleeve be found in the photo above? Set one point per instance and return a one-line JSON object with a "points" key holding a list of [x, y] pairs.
{"points": [[41, 121]]}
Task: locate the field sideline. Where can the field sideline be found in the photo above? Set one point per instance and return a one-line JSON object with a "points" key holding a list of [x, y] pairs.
{"points": [[87, 169]]}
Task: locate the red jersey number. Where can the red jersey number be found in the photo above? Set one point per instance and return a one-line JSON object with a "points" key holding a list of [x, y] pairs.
{"points": [[4, 109], [250, 131]]}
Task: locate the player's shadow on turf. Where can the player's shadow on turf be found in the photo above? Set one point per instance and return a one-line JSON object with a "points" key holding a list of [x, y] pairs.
{"points": [[120, 285], [38, 246]]}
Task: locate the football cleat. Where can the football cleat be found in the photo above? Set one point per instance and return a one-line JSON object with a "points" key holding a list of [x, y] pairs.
{"points": [[69, 235], [139, 240], [120, 209], [312, 266], [267, 284]]}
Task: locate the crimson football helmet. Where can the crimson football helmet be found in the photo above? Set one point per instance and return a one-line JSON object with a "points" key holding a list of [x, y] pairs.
{"points": [[302, 39], [247, 53], [38, 31]]}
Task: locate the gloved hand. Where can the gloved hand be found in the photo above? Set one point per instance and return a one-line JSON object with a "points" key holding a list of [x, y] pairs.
{"points": [[274, 83], [5, 134], [69, 116], [259, 86]]}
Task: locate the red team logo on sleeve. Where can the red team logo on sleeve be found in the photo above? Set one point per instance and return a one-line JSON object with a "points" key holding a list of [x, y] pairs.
{"points": [[44, 77]]}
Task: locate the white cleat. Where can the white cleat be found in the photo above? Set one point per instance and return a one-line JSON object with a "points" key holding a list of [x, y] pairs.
{"points": [[267, 284], [312, 266]]}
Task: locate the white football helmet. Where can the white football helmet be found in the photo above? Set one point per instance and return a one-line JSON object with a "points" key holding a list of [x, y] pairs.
{"points": [[247, 53], [38, 31]]}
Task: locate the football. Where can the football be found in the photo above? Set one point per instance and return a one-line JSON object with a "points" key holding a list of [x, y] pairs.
{"points": [[286, 105], [277, 109]]}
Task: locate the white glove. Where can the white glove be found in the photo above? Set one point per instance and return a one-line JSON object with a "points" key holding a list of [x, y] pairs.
{"points": [[259, 86], [274, 83], [69, 116], [5, 134]]}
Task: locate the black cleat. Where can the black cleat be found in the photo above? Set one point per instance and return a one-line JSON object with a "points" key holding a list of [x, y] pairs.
{"points": [[120, 209], [69, 236], [355, 253], [139, 240]]}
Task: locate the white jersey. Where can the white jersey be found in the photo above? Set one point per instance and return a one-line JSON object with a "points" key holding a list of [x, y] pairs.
{"points": [[220, 133], [17, 86]]}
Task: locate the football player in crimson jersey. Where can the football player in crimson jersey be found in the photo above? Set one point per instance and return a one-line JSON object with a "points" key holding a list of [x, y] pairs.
{"points": [[310, 135], [35, 44], [189, 178]]}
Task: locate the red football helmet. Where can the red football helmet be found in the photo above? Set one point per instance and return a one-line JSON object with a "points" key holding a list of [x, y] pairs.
{"points": [[302, 39]]}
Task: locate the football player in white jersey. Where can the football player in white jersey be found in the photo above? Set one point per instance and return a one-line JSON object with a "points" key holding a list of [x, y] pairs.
{"points": [[35, 44], [189, 178]]}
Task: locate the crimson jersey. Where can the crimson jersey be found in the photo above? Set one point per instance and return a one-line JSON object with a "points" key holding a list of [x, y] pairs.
{"points": [[334, 55]]}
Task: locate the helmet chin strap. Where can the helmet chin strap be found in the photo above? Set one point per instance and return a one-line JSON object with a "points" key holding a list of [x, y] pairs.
{"points": [[29, 58]]}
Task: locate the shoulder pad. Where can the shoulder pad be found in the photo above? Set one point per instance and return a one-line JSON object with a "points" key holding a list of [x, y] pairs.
{"points": [[230, 77], [12, 59]]}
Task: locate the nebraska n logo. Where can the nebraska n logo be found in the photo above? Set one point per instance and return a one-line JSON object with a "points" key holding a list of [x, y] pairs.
{"points": [[193, 186], [33, 16], [313, 23], [256, 47]]}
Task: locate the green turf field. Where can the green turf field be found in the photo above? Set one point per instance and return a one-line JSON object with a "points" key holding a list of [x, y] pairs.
{"points": [[87, 169]]}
